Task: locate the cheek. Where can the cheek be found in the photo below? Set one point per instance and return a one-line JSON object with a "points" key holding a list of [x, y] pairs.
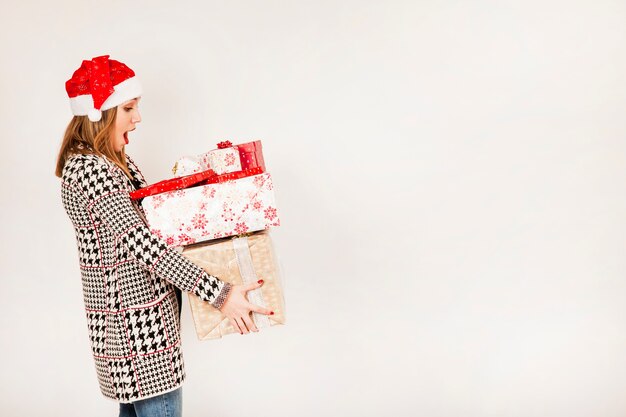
{"points": [[121, 121]]}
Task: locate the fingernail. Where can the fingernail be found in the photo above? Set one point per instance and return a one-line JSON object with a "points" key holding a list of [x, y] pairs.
{"points": [[271, 313], [261, 281]]}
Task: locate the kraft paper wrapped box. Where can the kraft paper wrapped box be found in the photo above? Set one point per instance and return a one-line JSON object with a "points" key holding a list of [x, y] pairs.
{"points": [[238, 260], [213, 211]]}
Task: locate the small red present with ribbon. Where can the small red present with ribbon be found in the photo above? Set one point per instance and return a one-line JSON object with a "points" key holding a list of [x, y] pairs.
{"points": [[251, 155]]}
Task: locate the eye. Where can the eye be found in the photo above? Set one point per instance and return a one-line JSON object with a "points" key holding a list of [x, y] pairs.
{"points": [[128, 108]]}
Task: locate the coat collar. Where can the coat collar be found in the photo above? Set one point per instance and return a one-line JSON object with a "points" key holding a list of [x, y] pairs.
{"points": [[135, 172], [138, 177]]}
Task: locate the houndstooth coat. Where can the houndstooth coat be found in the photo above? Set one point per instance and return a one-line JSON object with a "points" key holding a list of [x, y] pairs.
{"points": [[129, 278]]}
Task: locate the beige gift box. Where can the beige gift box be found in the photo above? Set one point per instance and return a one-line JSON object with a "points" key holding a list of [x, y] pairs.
{"points": [[238, 260]]}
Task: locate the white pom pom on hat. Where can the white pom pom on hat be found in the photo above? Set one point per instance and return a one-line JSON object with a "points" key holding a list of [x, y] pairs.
{"points": [[101, 84], [94, 115]]}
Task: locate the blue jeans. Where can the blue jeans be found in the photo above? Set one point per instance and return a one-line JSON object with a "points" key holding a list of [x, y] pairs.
{"points": [[169, 404]]}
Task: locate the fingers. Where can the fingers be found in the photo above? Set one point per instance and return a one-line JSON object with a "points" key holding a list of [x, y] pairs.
{"points": [[244, 324], [253, 285], [261, 310], [233, 321], [249, 323], [242, 321]]}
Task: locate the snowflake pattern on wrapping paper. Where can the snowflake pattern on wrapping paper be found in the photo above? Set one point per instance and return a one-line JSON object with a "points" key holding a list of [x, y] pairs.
{"points": [[229, 159], [157, 200], [241, 228], [213, 211], [179, 193], [185, 239], [169, 240], [199, 221], [228, 215], [259, 181], [208, 192], [157, 232], [270, 213]]}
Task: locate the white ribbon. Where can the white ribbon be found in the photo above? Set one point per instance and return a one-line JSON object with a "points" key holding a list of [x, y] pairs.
{"points": [[246, 269]]}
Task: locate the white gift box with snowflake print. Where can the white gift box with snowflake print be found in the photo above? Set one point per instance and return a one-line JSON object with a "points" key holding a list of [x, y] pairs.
{"points": [[222, 161], [212, 211]]}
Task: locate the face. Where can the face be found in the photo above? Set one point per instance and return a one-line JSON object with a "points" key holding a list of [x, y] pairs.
{"points": [[125, 120]]}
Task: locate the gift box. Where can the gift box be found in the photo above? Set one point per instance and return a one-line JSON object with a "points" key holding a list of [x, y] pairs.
{"points": [[188, 165], [240, 260], [251, 155], [224, 208], [226, 158]]}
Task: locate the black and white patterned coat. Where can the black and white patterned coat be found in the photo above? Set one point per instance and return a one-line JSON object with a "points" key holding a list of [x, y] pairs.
{"points": [[128, 278]]}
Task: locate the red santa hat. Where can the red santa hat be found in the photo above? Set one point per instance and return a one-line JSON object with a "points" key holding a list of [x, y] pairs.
{"points": [[101, 84]]}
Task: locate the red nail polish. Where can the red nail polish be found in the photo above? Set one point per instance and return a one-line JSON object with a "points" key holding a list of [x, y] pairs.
{"points": [[271, 313], [261, 281]]}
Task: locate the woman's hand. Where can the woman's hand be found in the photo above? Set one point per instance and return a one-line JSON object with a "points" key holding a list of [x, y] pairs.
{"points": [[237, 307]]}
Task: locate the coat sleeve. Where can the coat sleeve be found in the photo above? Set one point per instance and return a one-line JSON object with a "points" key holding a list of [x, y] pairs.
{"points": [[110, 201]]}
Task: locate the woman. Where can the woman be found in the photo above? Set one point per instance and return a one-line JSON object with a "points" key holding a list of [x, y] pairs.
{"points": [[130, 278]]}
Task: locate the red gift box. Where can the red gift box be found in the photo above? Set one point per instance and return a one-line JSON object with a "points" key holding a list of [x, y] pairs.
{"points": [[251, 155]]}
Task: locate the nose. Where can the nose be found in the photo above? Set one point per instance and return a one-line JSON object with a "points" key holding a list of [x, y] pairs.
{"points": [[136, 116]]}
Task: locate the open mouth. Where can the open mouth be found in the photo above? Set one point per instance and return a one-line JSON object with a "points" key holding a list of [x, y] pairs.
{"points": [[126, 134]]}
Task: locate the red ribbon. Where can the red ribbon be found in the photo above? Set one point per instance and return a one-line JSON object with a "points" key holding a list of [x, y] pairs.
{"points": [[225, 144], [199, 178], [230, 176], [172, 184]]}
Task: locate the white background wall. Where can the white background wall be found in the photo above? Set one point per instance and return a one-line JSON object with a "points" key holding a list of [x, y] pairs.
{"points": [[450, 176]]}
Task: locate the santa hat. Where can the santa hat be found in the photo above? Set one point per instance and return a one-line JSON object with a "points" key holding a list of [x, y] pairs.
{"points": [[101, 84]]}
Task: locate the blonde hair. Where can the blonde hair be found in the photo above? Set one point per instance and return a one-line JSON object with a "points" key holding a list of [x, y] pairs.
{"points": [[82, 136]]}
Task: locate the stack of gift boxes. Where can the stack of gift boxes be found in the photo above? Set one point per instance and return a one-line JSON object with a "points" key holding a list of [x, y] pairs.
{"points": [[219, 209]]}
